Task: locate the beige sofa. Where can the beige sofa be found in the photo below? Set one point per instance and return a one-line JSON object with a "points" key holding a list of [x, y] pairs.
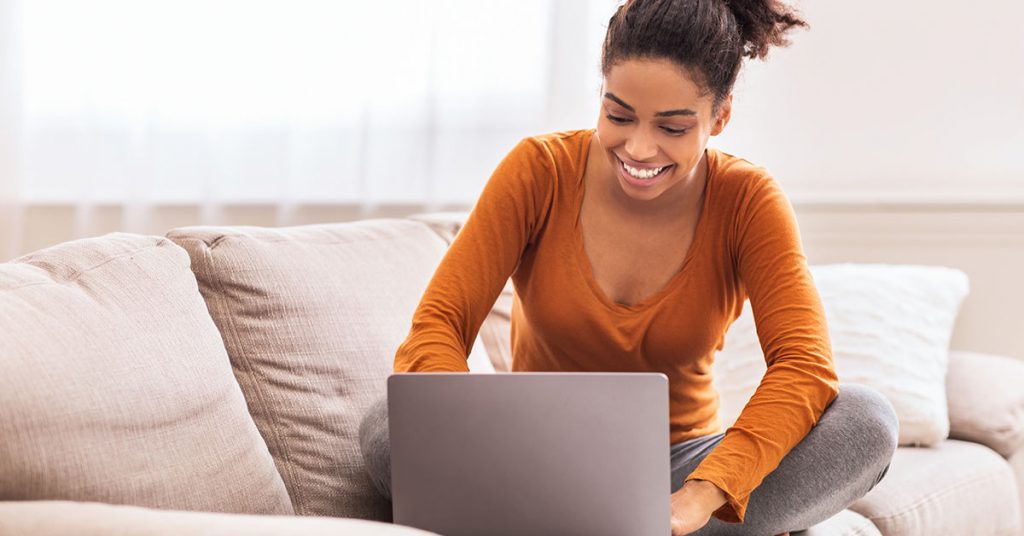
{"points": [[211, 381]]}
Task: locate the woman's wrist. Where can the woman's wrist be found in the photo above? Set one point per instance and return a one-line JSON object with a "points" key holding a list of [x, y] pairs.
{"points": [[708, 493]]}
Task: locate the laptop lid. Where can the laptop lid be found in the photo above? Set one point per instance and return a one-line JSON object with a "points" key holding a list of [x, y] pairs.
{"points": [[530, 453]]}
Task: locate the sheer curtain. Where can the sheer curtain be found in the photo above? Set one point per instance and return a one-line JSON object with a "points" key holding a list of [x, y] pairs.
{"points": [[209, 103], [10, 137]]}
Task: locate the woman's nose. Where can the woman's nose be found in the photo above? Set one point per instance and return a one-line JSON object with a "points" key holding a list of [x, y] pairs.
{"points": [[641, 147]]}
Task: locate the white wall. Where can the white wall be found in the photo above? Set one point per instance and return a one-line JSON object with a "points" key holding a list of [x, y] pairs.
{"points": [[908, 99]]}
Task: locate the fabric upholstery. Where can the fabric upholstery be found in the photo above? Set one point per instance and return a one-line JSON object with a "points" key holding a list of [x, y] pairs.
{"points": [[57, 518], [956, 487], [1017, 464], [845, 523], [445, 224], [494, 333], [115, 386], [986, 400], [311, 317]]}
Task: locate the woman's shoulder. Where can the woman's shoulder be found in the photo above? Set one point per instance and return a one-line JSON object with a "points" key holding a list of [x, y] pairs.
{"points": [[735, 168], [738, 176], [560, 153], [542, 164], [564, 137], [561, 144]]}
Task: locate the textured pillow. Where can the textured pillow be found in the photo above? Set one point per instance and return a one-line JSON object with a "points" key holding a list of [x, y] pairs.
{"points": [[312, 317], [115, 386], [890, 327]]}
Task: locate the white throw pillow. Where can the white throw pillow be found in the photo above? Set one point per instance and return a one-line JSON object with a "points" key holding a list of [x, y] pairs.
{"points": [[890, 327]]}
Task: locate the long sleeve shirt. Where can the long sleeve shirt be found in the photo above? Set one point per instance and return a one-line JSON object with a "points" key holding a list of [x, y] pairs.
{"points": [[526, 224]]}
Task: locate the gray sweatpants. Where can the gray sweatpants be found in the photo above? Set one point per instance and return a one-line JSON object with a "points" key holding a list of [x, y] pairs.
{"points": [[845, 455]]}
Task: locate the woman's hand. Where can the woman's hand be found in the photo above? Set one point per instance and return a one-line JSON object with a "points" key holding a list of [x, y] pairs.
{"points": [[693, 505]]}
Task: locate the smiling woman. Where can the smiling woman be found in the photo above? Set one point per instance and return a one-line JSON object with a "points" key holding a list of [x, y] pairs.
{"points": [[632, 246]]}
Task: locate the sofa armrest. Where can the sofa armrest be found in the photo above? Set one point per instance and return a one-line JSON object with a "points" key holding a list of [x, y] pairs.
{"points": [[59, 518], [986, 400]]}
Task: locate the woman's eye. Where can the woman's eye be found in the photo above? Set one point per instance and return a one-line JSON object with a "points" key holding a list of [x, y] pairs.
{"points": [[623, 120]]}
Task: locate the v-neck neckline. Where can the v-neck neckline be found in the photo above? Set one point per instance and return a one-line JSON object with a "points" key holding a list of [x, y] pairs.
{"points": [[583, 259]]}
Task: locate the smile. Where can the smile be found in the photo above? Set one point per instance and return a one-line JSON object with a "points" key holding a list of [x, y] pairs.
{"points": [[646, 175]]}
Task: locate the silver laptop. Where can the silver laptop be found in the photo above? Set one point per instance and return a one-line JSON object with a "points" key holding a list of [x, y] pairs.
{"points": [[530, 453]]}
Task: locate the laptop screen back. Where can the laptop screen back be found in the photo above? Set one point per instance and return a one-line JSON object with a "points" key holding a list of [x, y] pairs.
{"points": [[530, 453]]}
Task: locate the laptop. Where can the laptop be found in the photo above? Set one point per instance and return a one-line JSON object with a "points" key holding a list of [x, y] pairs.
{"points": [[530, 453]]}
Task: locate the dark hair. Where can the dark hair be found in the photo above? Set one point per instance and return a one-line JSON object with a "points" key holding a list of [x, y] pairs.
{"points": [[708, 37]]}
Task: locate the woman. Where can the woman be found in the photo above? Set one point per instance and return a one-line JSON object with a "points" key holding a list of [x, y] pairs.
{"points": [[632, 247]]}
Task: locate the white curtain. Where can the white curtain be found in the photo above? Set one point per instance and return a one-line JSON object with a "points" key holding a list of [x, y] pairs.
{"points": [[211, 102]]}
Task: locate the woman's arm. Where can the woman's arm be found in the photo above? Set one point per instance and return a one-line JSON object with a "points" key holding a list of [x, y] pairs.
{"points": [[486, 251], [801, 380]]}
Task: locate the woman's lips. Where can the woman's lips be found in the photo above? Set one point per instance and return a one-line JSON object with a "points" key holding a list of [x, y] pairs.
{"points": [[640, 165], [644, 183]]}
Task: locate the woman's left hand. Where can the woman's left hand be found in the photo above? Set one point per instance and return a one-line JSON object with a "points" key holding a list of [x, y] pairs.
{"points": [[693, 505]]}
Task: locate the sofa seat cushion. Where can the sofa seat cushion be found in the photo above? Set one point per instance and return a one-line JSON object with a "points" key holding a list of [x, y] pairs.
{"points": [[115, 385], [311, 317], [845, 523], [60, 518], [942, 490], [1017, 463]]}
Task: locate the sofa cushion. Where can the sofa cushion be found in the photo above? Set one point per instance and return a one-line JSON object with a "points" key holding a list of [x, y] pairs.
{"points": [[986, 400], [312, 317], [845, 523], [1017, 464], [890, 327], [445, 224], [115, 385], [61, 518], [942, 490]]}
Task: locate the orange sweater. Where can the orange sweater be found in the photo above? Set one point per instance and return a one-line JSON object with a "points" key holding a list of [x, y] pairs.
{"points": [[526, 225]]}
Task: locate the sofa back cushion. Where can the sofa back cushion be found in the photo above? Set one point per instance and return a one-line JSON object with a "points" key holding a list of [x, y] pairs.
{"points": [[312, 317], [115, 386]]}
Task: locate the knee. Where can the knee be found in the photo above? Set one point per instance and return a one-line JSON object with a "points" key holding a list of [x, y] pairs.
{"points": [[870, 415], [373, 429], [375, 444]]}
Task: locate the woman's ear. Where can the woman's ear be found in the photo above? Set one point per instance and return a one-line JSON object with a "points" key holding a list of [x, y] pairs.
{"points": [[724, 114]]}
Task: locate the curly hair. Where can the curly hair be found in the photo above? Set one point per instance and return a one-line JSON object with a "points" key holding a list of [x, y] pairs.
{"points": [[710, 38]]}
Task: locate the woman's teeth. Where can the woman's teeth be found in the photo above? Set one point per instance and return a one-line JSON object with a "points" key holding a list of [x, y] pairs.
{"points": [[642, 173]]}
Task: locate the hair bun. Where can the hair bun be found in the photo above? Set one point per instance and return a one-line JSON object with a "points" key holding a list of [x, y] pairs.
{"points": [[762, 24]]}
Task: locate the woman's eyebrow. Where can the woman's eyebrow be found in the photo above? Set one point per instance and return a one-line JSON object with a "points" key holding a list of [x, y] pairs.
{"points": [[620, 102]]}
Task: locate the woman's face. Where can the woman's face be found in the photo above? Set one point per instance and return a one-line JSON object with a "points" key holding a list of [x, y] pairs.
{"points": [[653, 117]]}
